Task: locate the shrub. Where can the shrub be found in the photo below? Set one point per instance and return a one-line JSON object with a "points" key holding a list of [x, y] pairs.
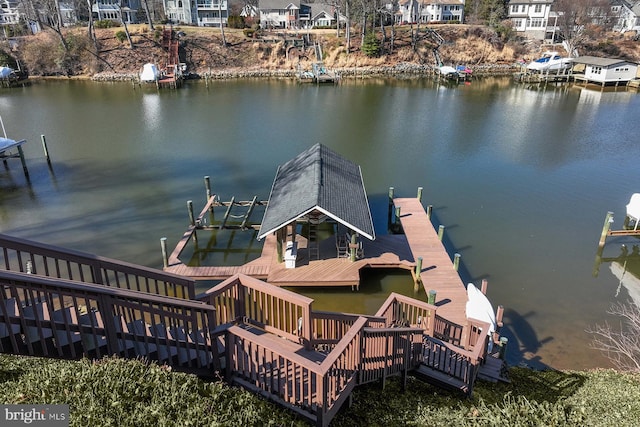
{"points": [[106, 23], [236, 21], [121, 36], [249, 32]]}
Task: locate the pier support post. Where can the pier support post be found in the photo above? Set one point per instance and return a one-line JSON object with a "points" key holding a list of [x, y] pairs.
{"points": [[419, 196], [429, 211], [46, 150], [441, 232], [207, 186], [192, 219], [24, 163], [165, 256], [503, 347], [608, 219], [456, 261], [352, 247], [431, 297], [483, 286], [390, 209], [418, 279]]}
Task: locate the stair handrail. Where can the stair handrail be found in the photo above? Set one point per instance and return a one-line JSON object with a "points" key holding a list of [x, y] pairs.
{"points": [[35, 257]]}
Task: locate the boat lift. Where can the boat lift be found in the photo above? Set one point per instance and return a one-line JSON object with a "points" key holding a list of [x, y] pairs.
{"points": [[7, 147]]}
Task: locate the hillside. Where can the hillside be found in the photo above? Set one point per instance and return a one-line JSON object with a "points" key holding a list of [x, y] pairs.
{"points": [[203, 51]]}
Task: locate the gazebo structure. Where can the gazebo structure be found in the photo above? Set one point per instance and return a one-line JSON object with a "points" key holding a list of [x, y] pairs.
{"points": [[318, 193]]}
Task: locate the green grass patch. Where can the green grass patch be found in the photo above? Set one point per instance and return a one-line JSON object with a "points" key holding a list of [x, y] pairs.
{"points": [[117, 392]]}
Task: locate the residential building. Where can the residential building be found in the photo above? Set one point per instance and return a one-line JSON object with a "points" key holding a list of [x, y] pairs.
{"points": [[325, 15], [427, 11], [203, 13], [628, 13], [532, 18], [284, 14], [606, 70], [116, 10]]}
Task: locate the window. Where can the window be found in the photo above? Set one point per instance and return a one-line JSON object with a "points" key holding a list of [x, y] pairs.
{"points": [[536, 23], [538, 8], [596, 70], [517, 23], [514, 8]]}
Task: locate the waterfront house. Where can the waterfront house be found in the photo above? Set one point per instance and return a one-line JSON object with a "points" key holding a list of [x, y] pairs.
{"points": [[604, 71], [203, 13], [628, 15], [532, 18], [326, 15], [284, 14], [429, 11], [116, 10]]}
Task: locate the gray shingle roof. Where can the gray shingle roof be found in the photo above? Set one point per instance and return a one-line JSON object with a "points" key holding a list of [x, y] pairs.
{"points": [[318, 179], [599, 61]]}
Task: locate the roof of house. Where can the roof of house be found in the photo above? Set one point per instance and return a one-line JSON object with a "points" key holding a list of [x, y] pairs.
{"points": [[600, 62], [321, 180], [278, 4]]}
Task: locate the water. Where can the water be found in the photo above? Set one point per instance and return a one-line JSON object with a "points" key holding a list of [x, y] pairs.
{"points": [[522, 179]]}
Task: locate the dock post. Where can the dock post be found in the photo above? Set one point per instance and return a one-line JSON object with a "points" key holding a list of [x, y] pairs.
{"points": [[46, 150], [192, 219], [165, 256], [24, 163], [608, 219], [456, 261], [483, 286], [389, 217], [441, 232], [352, 247], [429, 211], [419, 196], [431, 297], [503, 347], [207, 187], [396, 219], [418, 279]]}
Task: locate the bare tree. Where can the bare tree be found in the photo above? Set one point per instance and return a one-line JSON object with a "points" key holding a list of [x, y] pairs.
{"points": [[124, 23], [620, 345], [224, 41], [145, 4], [576, 16]]}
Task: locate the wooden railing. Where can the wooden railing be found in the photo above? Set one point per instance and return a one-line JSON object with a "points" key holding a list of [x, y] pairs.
{"points": [[25, 256], [328, 328], [271, 308], [400, 310], [62, 318], [315, 390]]}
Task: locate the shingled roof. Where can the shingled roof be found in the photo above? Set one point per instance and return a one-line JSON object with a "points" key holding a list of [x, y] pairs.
{"points": [[321, 180]]}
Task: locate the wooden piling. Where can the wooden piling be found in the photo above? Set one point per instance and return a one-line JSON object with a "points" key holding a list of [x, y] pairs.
{"points": [[483, 286], [429, 211], [207, 187], [24, 163], [192, 219], [503, 347], [46, 150], [441, 232], [390, 210], [608, 220], [456, 261], [165, 256], [226, 214], [246, 217], [419, 196], [418, 267], [431, 297]]}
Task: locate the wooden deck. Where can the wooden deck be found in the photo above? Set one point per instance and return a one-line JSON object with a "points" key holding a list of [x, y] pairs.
{"points": [[437, 268]]}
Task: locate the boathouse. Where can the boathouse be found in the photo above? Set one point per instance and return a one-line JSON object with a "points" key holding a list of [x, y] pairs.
{"points": [[604, 71], [318, 186]]}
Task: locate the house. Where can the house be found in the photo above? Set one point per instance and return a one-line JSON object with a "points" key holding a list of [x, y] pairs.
{"points": [[284, 14], [9, 12], [441, 10], [325, 15], [203, 13], [628, 13], [532, 18], [604, 70], [116, 10], [427, 11]]}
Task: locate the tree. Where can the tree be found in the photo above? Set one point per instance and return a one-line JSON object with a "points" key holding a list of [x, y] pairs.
{"points": [[575, 17], [371, 44], [145, 4], [489, 12], [621, 346]]}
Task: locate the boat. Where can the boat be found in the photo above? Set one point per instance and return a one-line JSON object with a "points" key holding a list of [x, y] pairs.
{"points": [[479, 307], [448, 72], [6, 72], [550, 61], [150, 73]]}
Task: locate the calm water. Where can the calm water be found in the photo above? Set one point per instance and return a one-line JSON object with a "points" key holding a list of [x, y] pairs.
{"points": [[521, 178]]}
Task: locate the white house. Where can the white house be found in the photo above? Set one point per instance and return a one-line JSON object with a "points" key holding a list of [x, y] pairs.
{"points": [[628, 15], [203, 13], [284, 14], [532, 18], [606, 70], [441, 10], [325, 15]]}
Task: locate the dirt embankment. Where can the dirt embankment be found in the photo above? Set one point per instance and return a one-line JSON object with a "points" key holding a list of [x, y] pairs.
{"points": [[205, 53]]}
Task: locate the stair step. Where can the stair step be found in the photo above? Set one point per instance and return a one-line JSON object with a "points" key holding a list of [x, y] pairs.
{"points": [[38, 312], [66, 317], [441, 379]]}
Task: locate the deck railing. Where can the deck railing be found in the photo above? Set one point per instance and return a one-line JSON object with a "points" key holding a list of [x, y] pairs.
{"points": [[328, 328], [273, 309], [400, 310], [63, 318], [25, 256]]}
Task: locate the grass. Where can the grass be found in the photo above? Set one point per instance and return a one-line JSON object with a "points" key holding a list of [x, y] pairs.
{"points": [[116, 392]]}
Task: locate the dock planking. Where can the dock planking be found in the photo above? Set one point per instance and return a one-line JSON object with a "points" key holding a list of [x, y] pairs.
{"points": [[437, 268]]}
